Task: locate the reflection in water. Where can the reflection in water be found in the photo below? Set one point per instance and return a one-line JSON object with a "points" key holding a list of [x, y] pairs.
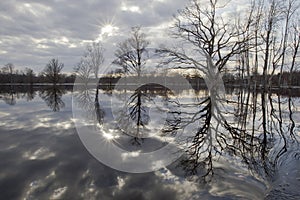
{"points": [[134, 117], [99, 112], [30, 94], [147, 113], [254, 149], [250, 127], [89, 100], [52, 95], [253, 128], [10, 94], [9, 98]]}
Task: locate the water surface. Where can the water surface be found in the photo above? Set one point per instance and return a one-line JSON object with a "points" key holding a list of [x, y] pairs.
{"points": [[254, 154]]}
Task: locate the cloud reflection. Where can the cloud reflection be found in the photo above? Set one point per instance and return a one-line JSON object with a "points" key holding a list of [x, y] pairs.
{"points": [[42, 157]]}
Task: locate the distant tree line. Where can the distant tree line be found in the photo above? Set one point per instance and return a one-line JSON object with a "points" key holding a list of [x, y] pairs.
{"points": [[283, 80], [51, 74], [8, 74]]}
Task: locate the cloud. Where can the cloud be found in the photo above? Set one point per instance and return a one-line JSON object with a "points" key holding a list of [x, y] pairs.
{"points": [[32, 32]]}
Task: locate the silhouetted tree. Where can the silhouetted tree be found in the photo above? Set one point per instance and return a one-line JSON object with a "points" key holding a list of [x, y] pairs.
{"points": [[289, 11], [53, 70], [9, 67], [132, 53], [90, 63], [206, 33], [295, 49], [30, 75]]}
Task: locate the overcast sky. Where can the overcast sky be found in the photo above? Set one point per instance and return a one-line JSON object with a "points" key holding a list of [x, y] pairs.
{"points": [[32, 32]]}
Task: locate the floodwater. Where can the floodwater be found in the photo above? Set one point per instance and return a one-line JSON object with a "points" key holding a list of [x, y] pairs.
{"points": [[246, 147]]}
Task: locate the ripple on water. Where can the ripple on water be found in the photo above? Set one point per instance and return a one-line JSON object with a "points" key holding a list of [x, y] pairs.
{"points": [[287, 180]]}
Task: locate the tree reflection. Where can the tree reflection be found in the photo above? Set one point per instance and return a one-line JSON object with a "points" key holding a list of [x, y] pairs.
{"points": [[52, 95], [98, 110], [139, 114], [199, 152], [11, 94], [88, 99], [134, 116], [253, 129], [9, 98], [291, 118], [30, 94]]}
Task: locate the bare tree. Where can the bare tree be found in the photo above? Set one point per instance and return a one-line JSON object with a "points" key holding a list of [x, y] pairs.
{"points": [[276, 55], [248, 25], [273, 16], [53, 70], [83, 71], [30, 75], [289, 11], [132, 54], [94, 57], [202, 26], [295, 49], [208, 44], [9, 67], [91, 62], [257, 20], [90, 65]]}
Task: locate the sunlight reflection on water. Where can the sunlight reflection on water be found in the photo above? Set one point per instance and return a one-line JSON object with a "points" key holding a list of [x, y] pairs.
{"points": [[42, 157]]}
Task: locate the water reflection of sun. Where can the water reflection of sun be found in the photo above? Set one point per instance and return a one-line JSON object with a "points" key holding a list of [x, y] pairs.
{"points": [[110, 136]]}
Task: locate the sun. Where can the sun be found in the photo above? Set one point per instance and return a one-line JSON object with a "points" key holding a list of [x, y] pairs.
{"points": [[108, 30]]}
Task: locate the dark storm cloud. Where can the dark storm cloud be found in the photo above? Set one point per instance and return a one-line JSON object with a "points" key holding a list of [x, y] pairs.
{"points": [[32, 32]]}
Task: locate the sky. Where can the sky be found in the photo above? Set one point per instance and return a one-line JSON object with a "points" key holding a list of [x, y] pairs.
{"points": [[33, 32]]}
